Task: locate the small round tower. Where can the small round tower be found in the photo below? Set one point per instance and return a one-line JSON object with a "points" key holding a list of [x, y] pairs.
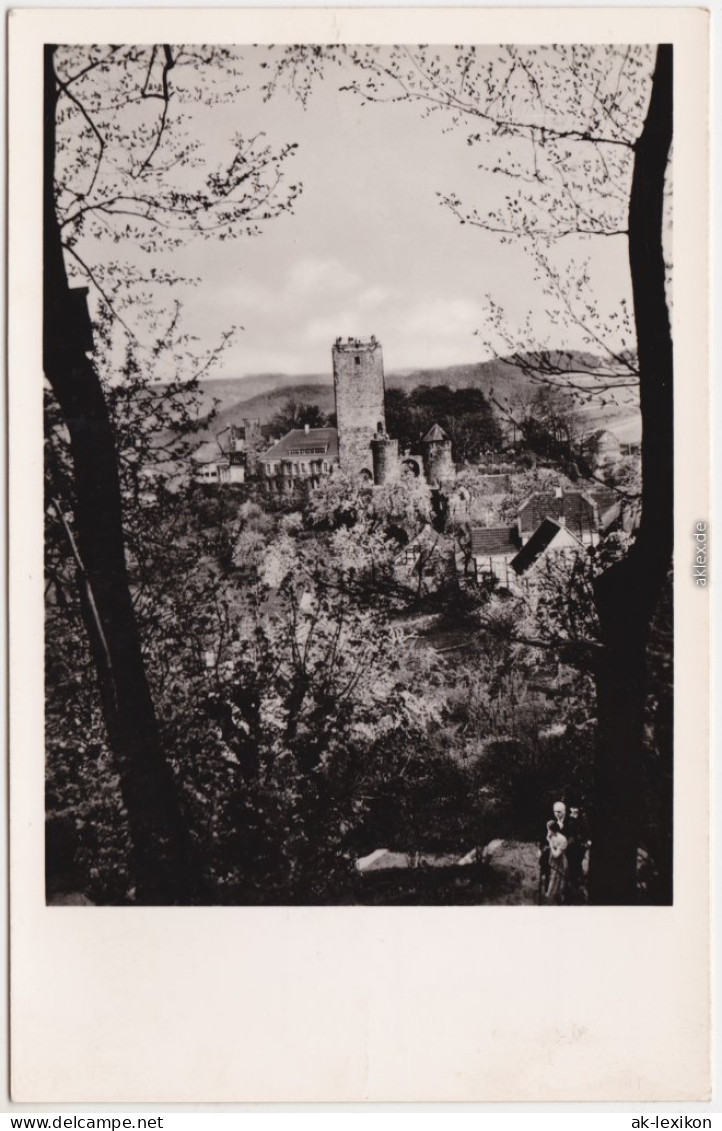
{"points": [[436, 451], [385, 455]]}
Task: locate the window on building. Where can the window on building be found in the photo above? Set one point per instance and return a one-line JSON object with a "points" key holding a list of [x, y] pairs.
{"points": [[357, 360]]}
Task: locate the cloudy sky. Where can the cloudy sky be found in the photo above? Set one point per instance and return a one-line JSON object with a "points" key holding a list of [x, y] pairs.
{"points": [[369, 248]]}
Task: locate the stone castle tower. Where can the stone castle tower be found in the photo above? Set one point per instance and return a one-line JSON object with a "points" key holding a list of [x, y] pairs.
{"points": [[385, 456], [436, 452], [358, 382]]}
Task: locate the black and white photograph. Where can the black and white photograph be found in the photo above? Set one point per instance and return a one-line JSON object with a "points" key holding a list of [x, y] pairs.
{"points": [[360, 537], [358, 395]]}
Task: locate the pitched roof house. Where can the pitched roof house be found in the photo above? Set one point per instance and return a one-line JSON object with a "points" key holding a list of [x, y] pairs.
{"points": [[491, 549], [493, 541], [214, 461], [549, 537], [601, 447], [226, 458], [303, 453], [574, 509]]}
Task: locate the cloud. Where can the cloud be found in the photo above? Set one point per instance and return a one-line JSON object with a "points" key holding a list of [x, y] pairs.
{"points": [[441, 318], [243, 359], [375, 296], [418, 330], [312, 276], [424, 331], [326, 329]]}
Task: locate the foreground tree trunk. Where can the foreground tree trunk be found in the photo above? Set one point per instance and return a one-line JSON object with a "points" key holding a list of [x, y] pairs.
{"points": [[628, 593], [159, 837]]}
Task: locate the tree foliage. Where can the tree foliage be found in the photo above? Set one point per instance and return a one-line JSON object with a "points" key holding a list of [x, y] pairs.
{"points": [[296, 414], [124, 179], [261, 706], [465, 415]]}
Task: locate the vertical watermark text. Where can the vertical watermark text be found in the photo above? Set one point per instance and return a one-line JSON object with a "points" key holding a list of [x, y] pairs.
{"points": [[701, 553]]}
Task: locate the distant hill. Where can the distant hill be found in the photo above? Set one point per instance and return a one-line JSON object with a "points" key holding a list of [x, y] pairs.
{"points": [[265, 405], [498, 375], [235, 390], [276, 387], [263, 394]]}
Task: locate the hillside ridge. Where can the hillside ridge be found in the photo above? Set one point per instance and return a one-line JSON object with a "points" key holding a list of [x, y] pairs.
{"points": [[262, 395]]}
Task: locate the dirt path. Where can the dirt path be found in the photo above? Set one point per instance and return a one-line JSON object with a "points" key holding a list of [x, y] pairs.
{"points": [[509, 876]]}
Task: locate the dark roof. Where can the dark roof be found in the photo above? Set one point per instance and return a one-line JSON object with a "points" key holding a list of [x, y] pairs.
{"points": [[486, 541], [577, 509], [540, 540], [436, 432], [303, 443], [579, 512], [538, 505]]}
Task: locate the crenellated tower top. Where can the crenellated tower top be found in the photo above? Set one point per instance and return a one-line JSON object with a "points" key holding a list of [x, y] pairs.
{"points": [[357, 345]]}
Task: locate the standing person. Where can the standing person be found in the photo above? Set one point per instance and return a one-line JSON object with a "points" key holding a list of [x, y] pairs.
{"points": [[558, 865], [559, 810]]}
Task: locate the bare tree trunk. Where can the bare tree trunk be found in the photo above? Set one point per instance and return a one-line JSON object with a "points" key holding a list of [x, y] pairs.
{"points": [[627, 594], [159, 837]]}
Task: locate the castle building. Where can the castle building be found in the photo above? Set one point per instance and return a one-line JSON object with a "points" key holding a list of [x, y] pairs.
{"points": [[385, 458], [359, 446], [358, 382], [436, 454]]}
